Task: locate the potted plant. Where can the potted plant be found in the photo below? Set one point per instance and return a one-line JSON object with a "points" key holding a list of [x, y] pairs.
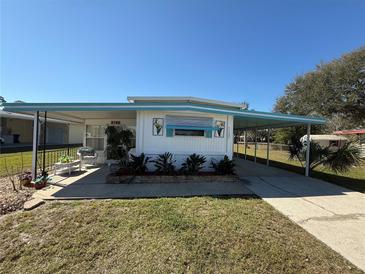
{"points": [[65, 159], [42, 180], [25, 178]]}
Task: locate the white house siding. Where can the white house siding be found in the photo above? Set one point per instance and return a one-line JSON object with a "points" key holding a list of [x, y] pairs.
{"points": [[182, 146], [10, 126]]}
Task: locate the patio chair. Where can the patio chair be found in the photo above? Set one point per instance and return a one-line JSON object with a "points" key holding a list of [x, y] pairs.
{"points": [[88, 156], [132, 151]]}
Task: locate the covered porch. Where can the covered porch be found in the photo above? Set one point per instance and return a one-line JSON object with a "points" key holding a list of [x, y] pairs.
{"points": [[93, 125]]}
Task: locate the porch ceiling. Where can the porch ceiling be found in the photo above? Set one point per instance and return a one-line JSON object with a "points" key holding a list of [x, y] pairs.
{"points": [[80, 116], [246, 123], [124, 114]]}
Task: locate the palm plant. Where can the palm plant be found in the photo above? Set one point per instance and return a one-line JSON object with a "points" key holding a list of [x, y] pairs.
{"points": [[339, 161], [118, 142], [138, 164], [193, 164], [165, 164], [224, 166], [344, 158]]}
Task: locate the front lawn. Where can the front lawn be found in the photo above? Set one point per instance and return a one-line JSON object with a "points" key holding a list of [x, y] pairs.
{"points": [[178, 235]]}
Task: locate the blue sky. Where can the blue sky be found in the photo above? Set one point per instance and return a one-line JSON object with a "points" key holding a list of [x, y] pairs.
{"points": [[104, 50]]}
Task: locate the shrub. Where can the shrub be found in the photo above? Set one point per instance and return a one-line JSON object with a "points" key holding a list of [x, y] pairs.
{"points": [[338, 161], [118, 142], [224, 166], [138, 164], [64, 159], [124, 167], [25, 176], [164, 164], [193, 164]]}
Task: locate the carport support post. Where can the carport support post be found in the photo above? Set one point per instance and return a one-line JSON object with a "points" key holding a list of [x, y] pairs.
{"points": [[44, 142], [255, 143], [35, 144], [236, 139], [307, 154], [268, 148], [245, 144]]}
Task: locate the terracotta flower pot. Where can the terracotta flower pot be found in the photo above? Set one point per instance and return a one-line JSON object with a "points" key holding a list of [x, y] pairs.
{"points": [[40, 185]]}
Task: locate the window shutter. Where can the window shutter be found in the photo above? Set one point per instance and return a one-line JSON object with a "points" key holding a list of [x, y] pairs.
{"points": [[169, 132]]}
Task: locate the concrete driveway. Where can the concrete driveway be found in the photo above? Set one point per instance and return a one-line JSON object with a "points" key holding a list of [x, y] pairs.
{"points": [[333, 214]]}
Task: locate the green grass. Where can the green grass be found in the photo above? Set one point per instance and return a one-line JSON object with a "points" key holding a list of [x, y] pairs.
{"points": [[15, 161], [195, 235], [354, 179]]}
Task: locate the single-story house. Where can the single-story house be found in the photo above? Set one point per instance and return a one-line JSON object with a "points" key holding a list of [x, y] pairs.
{"points": [[16, 130], [180, 125]]}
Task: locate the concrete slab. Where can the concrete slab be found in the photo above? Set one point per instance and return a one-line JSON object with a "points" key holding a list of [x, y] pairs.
{"points": [[33, 203], [248, 168], [91, 184], [333, 214], [150, 190]]}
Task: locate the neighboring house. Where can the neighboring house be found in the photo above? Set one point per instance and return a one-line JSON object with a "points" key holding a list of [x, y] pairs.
{"points": [[328, 140], [356, 135], [180, 125], [16, 130]]}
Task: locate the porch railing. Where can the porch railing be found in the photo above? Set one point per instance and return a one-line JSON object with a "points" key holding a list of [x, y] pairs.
{"points": [[15, 163]]}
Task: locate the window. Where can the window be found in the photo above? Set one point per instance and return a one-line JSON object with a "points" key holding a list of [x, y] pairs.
{"points": [[95, 137], [189, 126], [189, 132]]}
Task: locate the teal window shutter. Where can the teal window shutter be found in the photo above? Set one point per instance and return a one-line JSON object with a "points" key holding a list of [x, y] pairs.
{"points": [[169, 132], [208, 134]]}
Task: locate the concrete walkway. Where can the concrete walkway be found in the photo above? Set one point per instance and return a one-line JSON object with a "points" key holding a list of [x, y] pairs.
{"points": [[333, 214], [90, 184]]}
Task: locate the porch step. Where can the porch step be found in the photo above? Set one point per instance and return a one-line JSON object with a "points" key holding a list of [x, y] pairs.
{"points": [[33, 203]]}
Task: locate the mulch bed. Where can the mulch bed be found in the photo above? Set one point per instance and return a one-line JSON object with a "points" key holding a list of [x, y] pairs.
{"points": [[11, 200]]}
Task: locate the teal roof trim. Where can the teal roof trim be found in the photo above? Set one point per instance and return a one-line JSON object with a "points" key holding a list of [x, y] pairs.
{"points": [[32, 107]]}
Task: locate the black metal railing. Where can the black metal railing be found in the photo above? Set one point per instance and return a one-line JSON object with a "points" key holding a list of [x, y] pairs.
{"points": [[53, 156], [14, 163]]}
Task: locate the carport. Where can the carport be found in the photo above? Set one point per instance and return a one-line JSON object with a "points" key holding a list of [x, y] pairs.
{"points": [[268, 121]]}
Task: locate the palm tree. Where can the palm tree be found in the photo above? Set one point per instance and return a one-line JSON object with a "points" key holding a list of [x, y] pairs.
{"points": [[339, 161]]}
